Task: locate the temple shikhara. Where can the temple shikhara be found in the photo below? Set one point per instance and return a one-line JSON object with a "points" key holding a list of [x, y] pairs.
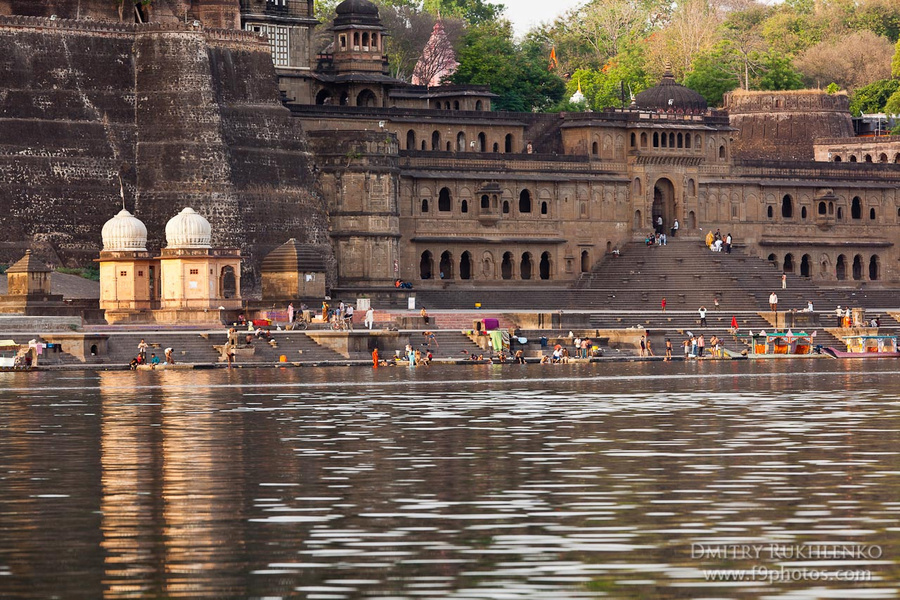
{"points": [[374, 179]]}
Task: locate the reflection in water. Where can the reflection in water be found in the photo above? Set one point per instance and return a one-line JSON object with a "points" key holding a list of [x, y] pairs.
{"points": [[511, 483]]}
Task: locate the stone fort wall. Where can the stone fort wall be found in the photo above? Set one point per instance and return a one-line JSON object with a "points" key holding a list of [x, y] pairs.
{"points": [[183, 116], [786, 123]]}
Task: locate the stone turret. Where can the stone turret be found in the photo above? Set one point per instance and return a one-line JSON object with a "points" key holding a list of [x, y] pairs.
{"points": [[783, 125]]}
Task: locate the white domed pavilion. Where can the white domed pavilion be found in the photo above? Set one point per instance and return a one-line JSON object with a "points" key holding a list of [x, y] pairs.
{"points": [[127, 271], [124, 233]]}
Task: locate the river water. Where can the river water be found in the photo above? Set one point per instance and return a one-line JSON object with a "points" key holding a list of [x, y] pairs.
{"points": [[617, 480]]}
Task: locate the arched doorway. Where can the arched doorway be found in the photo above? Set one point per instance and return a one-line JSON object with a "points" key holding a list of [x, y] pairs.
{"points": [[465, 266], [228, 283], [506, 266], [873, 268], [804, 266], [857, 267], [545, 266], [585, 261], [525, 266], [446, 265], [426, 266], [663, 204], [840, 268], [788, 263]]}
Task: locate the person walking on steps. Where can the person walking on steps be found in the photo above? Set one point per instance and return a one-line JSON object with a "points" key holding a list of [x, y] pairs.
{"points": [[702, 312], [784, 281], [773, 302]]}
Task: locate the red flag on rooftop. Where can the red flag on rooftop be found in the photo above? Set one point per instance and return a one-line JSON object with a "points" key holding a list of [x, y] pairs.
{"points": [[554, 64]]}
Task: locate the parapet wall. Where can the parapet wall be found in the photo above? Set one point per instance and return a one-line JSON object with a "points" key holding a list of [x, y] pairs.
{"points": [[786, 123]]}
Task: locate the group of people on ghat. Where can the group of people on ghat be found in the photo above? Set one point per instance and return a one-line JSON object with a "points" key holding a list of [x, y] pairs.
{"points": [[717, 243], [153, 360]]}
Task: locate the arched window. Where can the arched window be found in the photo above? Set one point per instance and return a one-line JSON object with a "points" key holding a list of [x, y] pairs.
{"points": [[822, 208], [496, 147], [721, 152], [544, 209], [365, 40], [410, 140], [852, 158], [804, 266], [446, 265], [461, 142], [873, 268], [436, 141], [840, 268], [426, 266], [871, 214], [769, 212], [787, 207], [585, 261], [655, 139], [856, 208], [633, 139], [680, 140], [525, 201], [424, 205], [464, 206], [773, 259], [671, 140], [506, 266], [465, 266], [897, 158], [882, 158], [228, 283], [447, 105], [840, 213], [478, 105], [444, 203], [803, 212], [525, 266], [545, 266], [788, 263], [323, 97], [356, 39], [366, 98], [424, 147], [448, 146], [508, 143], [664, 142], [868, 158], [595, 149], [857, 267], [837, 158], [482, 142], [456, 105], [485, 202], [687, 140], [643, 139], [506, 207]]}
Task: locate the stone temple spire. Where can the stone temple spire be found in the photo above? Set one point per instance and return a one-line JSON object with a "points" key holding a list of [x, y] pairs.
{"points": [[438, 59]]}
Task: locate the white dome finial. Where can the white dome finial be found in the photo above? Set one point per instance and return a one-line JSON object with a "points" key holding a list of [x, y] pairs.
{"points": [[188, 229], [124, 233]]}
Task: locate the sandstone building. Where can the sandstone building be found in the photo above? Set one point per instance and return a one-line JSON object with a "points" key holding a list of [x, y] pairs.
{"points": [[425, 184]]}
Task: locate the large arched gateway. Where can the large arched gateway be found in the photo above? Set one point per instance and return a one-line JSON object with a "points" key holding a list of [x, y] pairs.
{"points": [[663, 204]]}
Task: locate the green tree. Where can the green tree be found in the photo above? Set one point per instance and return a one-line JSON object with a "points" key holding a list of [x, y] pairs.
{"points": [[873, 97], [613, 85], [895, 62], [518, 74], [474, 12], [892, 106], [714, 74], [778, 73]]}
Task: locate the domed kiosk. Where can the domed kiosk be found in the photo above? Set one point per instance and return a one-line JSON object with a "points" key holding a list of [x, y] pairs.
{"points": [[128, 273], [197, 279], [670, 96]]}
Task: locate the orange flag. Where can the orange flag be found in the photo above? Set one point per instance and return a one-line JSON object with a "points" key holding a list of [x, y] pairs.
{"points": [[554, 64]]}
